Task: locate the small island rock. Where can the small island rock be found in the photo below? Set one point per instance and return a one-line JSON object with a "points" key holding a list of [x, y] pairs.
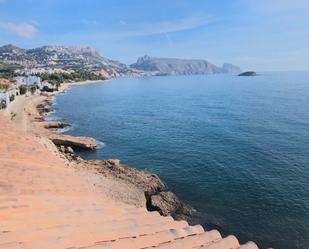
{"points": [[248, 73]]}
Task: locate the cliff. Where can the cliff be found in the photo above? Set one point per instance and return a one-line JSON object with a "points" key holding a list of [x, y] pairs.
{"points": [[171, 66]]}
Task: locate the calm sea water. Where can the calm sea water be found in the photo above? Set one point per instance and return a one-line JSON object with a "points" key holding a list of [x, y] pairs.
{"points": [[235, 148]]}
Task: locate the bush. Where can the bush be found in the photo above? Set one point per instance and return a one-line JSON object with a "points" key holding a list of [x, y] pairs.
{"points": [[12, 98], [47, 89], [22, 89], [3, 104], [33, 89], [13, 115]]}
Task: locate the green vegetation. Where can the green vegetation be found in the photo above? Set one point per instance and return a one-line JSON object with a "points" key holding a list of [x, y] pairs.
{"points": [[5, 87], [33, 89], [22, 89], [12, 98], [2, 104], [13, 115], [57, 78], [7, 70]]}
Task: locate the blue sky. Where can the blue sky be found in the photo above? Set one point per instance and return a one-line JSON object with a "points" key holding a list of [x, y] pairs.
{"points": [[263, 35]]}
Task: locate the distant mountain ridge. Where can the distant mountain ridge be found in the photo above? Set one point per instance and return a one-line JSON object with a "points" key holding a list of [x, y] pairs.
{"points": [[89, 59], [65, 57], [173, 66]]}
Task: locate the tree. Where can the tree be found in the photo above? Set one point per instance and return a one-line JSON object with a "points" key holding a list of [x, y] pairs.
{"points": [[33, 89], [22, 89]]}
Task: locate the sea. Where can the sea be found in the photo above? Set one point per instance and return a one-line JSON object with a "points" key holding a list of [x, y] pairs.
{"points": [[234, 148]]}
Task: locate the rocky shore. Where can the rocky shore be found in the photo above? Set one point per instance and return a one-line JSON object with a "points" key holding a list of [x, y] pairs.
{"points": [[151, 191], [52, 198]]}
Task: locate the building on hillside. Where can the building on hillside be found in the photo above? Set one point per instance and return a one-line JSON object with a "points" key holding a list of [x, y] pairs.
{"points": [[29, 80], [4, 99], [8, 95]]}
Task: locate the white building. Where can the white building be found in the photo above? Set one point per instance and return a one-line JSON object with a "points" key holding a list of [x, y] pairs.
{"points": [[29, 80], [4, 98], [5, 95]]}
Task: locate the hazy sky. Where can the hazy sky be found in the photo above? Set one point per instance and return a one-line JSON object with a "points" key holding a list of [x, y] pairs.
{"points": [[254, 34]]}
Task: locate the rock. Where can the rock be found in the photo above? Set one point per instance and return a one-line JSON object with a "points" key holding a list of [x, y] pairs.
{"points": [[44, 107], [78, 143], [114, 162], [167, 203], [147, 182], [70, 150], [150, 185], [248, 73], [62, 149], [55, 125]]}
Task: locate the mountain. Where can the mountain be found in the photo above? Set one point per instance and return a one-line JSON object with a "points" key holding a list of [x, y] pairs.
{"points": [[64, 57], [171, 66], [83, 58], [231, 69], [11, 49]]}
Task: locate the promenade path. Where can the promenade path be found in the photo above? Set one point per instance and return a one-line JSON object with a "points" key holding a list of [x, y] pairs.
{"points": [[45, 204]]}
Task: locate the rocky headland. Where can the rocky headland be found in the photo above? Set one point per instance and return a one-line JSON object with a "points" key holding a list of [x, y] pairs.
{"points": [[174, 66]]}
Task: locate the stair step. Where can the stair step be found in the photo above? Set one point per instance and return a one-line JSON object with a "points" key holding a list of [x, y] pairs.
{"points": [[8, 213], [248, 245], [60, 218], [89, 232], [13, 245], [150, 239], [192, 241], [88, 236], [229, 242]]}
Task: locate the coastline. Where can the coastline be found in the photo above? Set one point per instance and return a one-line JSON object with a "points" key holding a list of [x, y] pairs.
{"points": [[133, 186], [50, 192]]}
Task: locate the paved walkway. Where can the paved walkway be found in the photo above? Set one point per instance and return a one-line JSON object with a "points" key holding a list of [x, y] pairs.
{"points": [[46, 205]]}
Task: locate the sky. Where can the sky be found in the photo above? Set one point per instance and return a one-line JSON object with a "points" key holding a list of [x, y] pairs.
{"points": [[262, 35]]}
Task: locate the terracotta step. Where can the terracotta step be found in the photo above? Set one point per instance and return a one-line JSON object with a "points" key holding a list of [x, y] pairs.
{"points": [[7, 212], [121, 227], [13, 245], [46, 222], [248, 245], [229, 242], [192, 241], [67, 237], [150, 239]]}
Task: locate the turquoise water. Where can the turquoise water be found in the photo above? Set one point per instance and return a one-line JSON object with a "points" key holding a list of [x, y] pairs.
{"points": [[235, 148]]}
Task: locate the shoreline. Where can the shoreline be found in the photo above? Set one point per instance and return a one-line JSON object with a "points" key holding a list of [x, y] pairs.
{"points": [[144, 188], [67, 85]]}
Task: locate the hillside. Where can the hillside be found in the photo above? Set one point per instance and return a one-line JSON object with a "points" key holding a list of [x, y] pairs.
{"points": [[64, 57]]}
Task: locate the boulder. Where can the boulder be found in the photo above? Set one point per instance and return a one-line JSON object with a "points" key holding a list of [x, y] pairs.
{"points": [[55, 125], [70, 150], [114, 162], [77, 143], [167, 203]]}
